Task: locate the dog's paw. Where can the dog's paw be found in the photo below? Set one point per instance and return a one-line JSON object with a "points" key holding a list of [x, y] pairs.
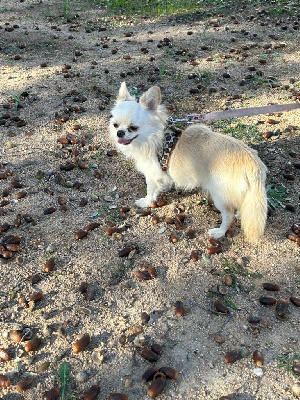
{"points": [[143, 202], [216, 233]]}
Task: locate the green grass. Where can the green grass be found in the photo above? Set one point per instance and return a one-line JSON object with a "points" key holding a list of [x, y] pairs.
{"points": [[150, 7], [276, 195], [236, 271], [235, 128], [171, 7], [239, 275], [66, 8], [64, 378], [287, 361], [112, 214]]}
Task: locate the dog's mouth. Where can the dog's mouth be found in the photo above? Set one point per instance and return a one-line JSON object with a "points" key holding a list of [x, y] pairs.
{"points": [[126, 141]]}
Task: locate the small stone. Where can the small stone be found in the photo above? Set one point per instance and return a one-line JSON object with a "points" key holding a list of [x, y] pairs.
{"points": [[97, 357], [258, 371], [219, 339], [44, 366], [81, 377]]}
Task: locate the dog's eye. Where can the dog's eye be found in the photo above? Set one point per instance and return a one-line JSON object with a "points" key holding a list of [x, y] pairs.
{"points": [[116, 125], [133, 128]]}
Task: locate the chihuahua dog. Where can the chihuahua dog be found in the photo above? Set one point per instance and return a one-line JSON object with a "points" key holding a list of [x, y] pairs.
{"points": [[226, 168]]}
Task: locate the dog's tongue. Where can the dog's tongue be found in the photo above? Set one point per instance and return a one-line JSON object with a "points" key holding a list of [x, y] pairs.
{"points": [[124, 141]]}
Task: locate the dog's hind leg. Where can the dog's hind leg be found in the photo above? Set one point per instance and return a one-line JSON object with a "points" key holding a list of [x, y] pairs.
{"points": [[227, 218]]}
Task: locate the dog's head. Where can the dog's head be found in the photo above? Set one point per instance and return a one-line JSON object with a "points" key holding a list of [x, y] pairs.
{"points": [[132, 122]]}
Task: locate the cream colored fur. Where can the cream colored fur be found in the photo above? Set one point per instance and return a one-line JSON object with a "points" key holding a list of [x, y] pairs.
{"points": [[225, 167]]}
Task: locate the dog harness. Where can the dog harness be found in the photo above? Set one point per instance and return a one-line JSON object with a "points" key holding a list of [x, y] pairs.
{"points": [[172, 135]]}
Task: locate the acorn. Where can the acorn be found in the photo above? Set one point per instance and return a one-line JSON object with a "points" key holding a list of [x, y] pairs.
{"points": [[5, 355], [36, 297], [194, 256], [142, 275], [179, 310], [13, 247], [145, 317], [92, 226], [125, 251], [16, 335], [282, 307], [258, 358], [161, 203], [191, 234], [220, 307], [24, 384], [82, 164], [81, 343], [83, 202], [152, 271], [35, 278], [80, 234], [178, 224], [157, 348], [170, 373], [18, 220], [296, 229], [49, 210], [296, 368], [214, 249], [49, 264], [118, 396], [33, 344], [228, 280], [233, 356], [92, 393], [149, 355], [12, 239], [169, 220], [267, 300], [23, 302], [4, 381], [253, 319], [295, 301], [148, 375], [174, 237], [157, 385], [180, 217], [271, 287], [292, 236], [6, 254], [51, 394], [111, 230], [214, 242], [4, 227], [289, 177], [145, 213]]}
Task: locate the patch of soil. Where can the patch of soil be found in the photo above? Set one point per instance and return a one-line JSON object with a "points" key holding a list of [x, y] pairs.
{"points": [[59, 174]]}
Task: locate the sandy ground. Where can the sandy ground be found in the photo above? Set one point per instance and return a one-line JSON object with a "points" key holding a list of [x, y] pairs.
{"points": [[59, 79]]}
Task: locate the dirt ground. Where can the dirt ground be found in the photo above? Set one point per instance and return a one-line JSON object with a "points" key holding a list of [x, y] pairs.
{"points": [[59, 78]]}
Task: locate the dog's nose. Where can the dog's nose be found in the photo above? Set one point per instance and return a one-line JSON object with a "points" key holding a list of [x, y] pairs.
{"points": [[120, 133]]}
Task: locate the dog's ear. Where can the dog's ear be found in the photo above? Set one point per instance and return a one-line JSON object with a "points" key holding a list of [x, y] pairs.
{"points": [[151, 99], [124, 94]]}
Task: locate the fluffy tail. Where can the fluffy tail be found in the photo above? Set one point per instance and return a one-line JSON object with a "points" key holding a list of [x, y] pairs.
{"points": [[254, 207]]}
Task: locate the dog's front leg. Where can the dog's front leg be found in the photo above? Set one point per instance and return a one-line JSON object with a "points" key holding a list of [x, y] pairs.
{"points": [[157, 182], [153, 190]]}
